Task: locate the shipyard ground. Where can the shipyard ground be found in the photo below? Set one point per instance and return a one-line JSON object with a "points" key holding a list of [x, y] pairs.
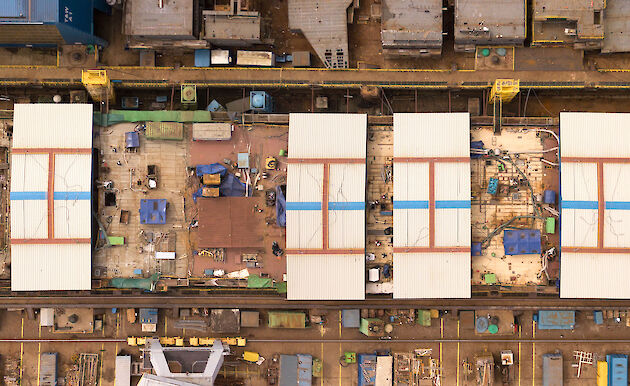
{"points": [[451, 343]]}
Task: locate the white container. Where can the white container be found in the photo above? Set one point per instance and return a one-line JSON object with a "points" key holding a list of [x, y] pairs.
{"points": [[374, 274]]}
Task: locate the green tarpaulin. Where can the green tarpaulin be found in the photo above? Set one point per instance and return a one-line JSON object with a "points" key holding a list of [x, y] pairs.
{"points": [[255, 281], [118, 116]]}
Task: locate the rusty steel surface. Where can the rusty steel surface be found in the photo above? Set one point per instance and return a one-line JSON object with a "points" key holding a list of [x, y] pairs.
{"points": [[227, 222]]}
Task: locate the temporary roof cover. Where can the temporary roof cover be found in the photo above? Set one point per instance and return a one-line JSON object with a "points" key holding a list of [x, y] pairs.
{"points": [[326, 207], [51, 175], [431, 206], [595, 203]]}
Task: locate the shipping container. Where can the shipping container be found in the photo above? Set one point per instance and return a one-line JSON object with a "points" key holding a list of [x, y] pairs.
{"points": [[384, 370], [165, 130], [367, 369], [123, 370], [255, 58], [602, 373], [617, 369], [213, 131], [48, 369], [555, 320], [286, 319], [552, 369]]}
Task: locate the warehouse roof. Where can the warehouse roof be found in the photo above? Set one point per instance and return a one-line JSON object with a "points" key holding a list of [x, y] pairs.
{"points": [[431, 206], [490, 21], [326, 206], [411, 24], [595, 203], [325, 26], [51, 177]]}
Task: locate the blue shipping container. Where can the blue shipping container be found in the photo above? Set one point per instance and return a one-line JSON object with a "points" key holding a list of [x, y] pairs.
{"points": [[521, 242], [556, 320], [617, 369], [366, 369], [304, 369]]}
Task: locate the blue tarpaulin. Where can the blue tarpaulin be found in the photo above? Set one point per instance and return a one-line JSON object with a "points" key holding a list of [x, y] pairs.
{"points": [[231, 186], [153, 211], [211, 169], [521, 241], [281, 207], [476, 145]]}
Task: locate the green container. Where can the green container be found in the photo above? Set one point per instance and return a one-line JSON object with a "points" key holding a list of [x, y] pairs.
{"points": [[550, 225], [286, 319], [485, 52], [493, 329], [424, 318], [116, 240]]}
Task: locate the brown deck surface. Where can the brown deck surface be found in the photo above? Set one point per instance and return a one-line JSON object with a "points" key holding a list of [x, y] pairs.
{"points": [[229, 222]]}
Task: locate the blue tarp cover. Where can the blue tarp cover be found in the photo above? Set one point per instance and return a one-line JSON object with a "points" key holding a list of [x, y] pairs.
{"points": [[153, 211], [477, 145], [231, 186], [211, 169], [281, 207], [521, 241], [132, 139]]}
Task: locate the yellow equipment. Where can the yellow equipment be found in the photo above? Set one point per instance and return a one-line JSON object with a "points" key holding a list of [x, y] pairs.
{"points": [[132, 341], [206, 341], [249, 356], [141, 341], [167, 341], [179, 342], [504, 90], [194, 341], [99, 86], [241, 342], [271, 163]]}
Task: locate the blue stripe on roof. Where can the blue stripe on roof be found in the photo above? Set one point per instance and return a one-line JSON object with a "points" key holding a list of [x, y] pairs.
{"points": [[579, 204], [72, 196], [19, 196], [411, 204], [452, 204], [304, 205], [618, 205], [346, 205]]}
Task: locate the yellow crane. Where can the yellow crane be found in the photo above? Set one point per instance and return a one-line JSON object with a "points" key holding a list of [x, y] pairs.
{"points": [[502, 91]]}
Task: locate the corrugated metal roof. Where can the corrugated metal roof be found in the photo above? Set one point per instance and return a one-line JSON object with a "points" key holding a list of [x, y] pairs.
{"points": [[444, 273], [326, 206], [326, 277], [411, 23], [45, 125], [594, 196], [324, 24], [48, 130], [20, 11], [53, 267], [594, 134], [595, 275], [346, 206], [579, 204], [431, 275], [432, 135], [490, 21], [452, 202], [327, 135]]}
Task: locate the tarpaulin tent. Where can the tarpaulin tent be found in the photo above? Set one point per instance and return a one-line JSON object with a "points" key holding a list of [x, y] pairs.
{"points": [[281, 207]]}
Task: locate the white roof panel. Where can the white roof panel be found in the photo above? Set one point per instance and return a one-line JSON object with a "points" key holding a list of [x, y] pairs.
{"points": [[325, 277], [346, 206], [617, 205], [51, 129], [595, 275], [431, 135], [452, 203], [431, 275], [594, 134], [321, 135], [53, 125], [50, 267]]}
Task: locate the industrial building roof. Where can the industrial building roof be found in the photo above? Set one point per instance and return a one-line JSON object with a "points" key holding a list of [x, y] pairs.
{"points": [[595, 202], [173, 20], [616, 25], [431, 206], [325, 26], [415, 24], [568, 21], [490, 22], [326, 206], [51, 177]]}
